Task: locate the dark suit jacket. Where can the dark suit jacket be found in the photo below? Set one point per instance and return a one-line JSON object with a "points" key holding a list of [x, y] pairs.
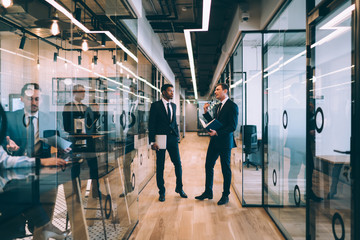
{"points": [[17, 130], [228, 116], [70, 113], [159, 123]]}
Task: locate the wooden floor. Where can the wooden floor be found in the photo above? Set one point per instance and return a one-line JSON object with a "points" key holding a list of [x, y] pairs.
{"points": [[178, 218]]}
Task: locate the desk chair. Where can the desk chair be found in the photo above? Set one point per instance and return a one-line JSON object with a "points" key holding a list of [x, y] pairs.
{"points": [[250, 143]]}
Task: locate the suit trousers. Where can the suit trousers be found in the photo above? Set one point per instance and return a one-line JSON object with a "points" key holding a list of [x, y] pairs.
{"points": [[172, 147], [212, 155]]}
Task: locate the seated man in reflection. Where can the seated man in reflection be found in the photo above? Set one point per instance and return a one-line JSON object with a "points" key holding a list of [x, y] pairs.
{"points": [[26, 126], [35, 213], [38, 219]]}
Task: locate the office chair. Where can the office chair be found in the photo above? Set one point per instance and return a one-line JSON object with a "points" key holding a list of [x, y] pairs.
{"points": [[250, 143]]}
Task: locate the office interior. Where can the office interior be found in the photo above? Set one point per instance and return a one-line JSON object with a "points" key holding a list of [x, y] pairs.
{"points": [[294, 77]]}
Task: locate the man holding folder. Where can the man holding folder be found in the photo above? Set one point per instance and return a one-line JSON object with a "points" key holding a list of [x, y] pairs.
{"points": [[164, 135], [221, 143]]}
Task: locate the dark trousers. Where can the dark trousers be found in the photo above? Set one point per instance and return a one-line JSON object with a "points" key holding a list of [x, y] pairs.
{"points": [[173, 148], [211, 156]]}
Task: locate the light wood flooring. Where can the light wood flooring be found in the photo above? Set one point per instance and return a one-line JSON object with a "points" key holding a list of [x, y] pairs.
{"points": [[178, 218]]}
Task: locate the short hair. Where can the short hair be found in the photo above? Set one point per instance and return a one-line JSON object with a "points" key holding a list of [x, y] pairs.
{"points": [[223, 86], [76, 87], [165, 87], [27, 87]]}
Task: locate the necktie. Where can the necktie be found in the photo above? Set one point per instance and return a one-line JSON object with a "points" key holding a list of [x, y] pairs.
{"points": [[31, 137], [218, 110], [168, 111]]}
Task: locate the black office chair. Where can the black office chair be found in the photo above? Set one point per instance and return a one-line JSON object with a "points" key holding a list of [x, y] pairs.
{"points": [[250, 143]]}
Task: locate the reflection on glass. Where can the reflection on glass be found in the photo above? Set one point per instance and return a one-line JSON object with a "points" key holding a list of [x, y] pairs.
{"points": [[285, 120], [89, 109], [331, 107]]}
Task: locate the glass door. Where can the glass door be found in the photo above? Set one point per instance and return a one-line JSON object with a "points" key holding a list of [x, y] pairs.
{"points": [[330, 125]]}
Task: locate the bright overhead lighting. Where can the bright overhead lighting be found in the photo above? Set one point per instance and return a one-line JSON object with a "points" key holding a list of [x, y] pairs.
{"points": [[333, 25], [85, 45], [7, 3], [205, 27], [136, 76], [86, 30], [55, 28]]}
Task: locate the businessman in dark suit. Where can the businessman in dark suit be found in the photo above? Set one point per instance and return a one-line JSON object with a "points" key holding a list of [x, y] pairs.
{"points": [[221, 143], [26, 126], [162, 121], [75, 109]]}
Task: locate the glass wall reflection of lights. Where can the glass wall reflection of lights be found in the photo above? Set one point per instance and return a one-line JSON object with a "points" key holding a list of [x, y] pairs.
{"points": [[82, 108]]}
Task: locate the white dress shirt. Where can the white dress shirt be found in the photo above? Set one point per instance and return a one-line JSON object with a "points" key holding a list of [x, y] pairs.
{"points": [[7, 161], [166, 108]]}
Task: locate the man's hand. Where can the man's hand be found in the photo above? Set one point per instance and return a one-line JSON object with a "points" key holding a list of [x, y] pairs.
{"points": [[11, 145], [155, 147], [212, 132], [53, 161], [206, 106]]}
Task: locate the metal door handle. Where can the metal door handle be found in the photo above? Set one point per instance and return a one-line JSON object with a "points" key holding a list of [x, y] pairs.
{"points": [[342, 152]]}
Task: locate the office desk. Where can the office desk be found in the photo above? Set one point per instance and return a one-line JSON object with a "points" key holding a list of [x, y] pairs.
{"points": [[336, 162]]}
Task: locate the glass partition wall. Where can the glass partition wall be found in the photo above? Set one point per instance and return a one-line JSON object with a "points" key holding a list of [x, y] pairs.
{"points": [[305, 121], [246, 92], [285, 119], [81, 96], [330, 113]]}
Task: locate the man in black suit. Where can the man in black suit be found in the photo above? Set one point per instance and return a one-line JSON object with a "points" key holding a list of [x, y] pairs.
{"points": [[75, 109], [162, 121], [221, 143]]}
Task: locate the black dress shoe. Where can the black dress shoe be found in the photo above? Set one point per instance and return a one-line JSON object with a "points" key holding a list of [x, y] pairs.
{"points": [[162, 198], [182, 193], [223, 200], [204, 196]]}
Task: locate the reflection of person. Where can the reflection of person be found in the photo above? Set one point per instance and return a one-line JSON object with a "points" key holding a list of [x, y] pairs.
{"points": [[92, 116], [75, 109], [221, 143], [27, 125], [162, 121], [35, 213], [311, 153], [130, 132]]}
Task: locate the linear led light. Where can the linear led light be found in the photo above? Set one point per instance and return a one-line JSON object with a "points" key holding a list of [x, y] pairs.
{"points": [[17, 54], [331, 73], [332, 25], [137, 77], [86, 30], [332, 86], [90, 71], [205, 27], [286, 63], [236, 83]]}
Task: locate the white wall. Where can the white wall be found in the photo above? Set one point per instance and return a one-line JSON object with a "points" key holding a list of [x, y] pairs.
{"points": [[150, 43]]}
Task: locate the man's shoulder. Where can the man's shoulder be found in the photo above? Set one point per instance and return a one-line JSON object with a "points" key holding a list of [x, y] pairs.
{"points": [[157, 102], [15, 113]]}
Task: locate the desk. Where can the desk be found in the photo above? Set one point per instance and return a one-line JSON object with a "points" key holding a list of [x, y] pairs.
{"points": [[336, 162]]}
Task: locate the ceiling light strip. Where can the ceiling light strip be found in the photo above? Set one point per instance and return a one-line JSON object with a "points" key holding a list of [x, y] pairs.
{"points": [[86, 30], [205, 27], [137, 77]]}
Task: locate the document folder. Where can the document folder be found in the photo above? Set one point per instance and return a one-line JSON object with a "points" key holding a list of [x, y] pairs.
{"points": [[160, 140], [214, 125]]}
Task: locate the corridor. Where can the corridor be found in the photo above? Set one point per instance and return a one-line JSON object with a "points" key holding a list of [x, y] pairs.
{"points": [[178, 218]]}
